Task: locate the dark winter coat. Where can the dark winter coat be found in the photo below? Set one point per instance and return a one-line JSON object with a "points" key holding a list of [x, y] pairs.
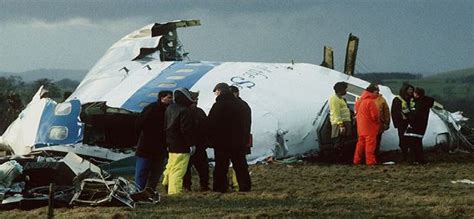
{"points": [[398, 116], [247, 117], [226, 120], [399, 121], [152, 138], [418, 119], [179, 127], [200, 138]]}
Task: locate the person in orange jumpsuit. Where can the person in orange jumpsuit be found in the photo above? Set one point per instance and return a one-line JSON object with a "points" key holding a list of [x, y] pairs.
{"points": [[368, 127]]}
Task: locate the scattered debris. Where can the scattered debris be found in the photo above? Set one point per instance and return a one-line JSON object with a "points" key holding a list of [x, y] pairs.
{"points": [[8, 172], [466, 181], [24, 184]]}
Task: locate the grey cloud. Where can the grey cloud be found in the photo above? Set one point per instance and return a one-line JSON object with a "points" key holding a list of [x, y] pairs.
{"points": [[52, 11], [412, 36]]}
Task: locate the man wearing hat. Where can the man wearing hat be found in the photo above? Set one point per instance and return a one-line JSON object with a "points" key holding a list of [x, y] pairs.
{"points": [[228, 138]]}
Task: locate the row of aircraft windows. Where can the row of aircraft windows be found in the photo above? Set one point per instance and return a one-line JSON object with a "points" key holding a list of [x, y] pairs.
{"points": [[183, 73]]}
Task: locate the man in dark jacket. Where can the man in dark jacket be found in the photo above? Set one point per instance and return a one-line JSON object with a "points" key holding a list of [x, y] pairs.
{"points": [[179, 127], [199, 159], [228, 138], [247, 118], [418, 122], [151, 148], [400, 109]]}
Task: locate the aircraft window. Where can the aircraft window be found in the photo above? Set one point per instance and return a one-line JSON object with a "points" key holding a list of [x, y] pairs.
{"points": [[194, 64], [176, 77], [167, 85], [58, 133], [153, 95], [350, 98], [143, 104], [354, 89], [185, 70], [63, 109]]}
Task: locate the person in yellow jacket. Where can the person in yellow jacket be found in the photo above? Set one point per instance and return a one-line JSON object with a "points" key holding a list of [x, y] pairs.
{"points": [[384, 113], [340, 118]]}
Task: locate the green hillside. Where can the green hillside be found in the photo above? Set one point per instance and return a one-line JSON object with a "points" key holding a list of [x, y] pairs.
{"points": [[456, 74]]}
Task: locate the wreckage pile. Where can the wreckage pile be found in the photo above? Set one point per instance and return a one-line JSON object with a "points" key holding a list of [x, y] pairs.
{"points": [[25, 183]]}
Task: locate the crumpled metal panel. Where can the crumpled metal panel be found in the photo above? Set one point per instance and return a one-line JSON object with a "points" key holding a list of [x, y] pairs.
{"points": [[99, 192]]}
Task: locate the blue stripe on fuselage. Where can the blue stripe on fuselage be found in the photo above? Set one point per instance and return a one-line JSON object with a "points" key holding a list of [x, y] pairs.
{"points": [[49, 119], [191, 71]]}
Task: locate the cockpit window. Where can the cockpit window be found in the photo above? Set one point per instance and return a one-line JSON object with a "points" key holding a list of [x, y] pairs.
{"points": [[353, 93], [58, 133], [354, 90], [63, 109]]}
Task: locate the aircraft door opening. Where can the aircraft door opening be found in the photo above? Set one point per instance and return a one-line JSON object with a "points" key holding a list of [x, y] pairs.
{"points": [[327, 148]]}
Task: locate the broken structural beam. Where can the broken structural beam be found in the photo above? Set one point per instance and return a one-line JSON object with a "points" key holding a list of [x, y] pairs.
{"points": [[328, 60], [351, 54]]}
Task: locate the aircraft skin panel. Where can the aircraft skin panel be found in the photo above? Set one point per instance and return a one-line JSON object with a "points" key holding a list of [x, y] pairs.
{"points": [[89, 151], [65, 123], [98, 85], [169, 79], [136, 79], [124, 50], [21, 134], [284, 99]]}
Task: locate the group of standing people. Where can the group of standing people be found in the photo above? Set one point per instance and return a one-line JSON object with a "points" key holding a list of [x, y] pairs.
{"points": [[409, 111], [174, 134]]}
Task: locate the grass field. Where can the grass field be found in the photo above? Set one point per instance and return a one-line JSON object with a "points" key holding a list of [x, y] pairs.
{"points": [[315, 189]]}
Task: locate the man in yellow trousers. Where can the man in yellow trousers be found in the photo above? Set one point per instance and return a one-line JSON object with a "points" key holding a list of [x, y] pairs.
{"points": [[179, 127]]}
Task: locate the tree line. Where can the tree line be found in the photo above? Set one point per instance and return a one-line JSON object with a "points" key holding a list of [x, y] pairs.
{"points": [[16, 93], [379, 77]]}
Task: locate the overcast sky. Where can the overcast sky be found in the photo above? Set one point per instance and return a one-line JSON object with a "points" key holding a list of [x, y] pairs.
{"points": [[423, 36]]}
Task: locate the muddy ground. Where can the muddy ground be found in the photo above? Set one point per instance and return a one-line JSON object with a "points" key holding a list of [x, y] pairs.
{"points": [[317, 189]]}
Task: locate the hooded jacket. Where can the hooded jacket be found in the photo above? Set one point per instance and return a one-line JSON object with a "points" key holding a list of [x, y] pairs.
{"points": [[179, 123], [418, 119], [367, 115]]}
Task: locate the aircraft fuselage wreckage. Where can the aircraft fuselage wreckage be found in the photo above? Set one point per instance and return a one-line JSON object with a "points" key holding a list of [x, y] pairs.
{"points": [[289, 102]]}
